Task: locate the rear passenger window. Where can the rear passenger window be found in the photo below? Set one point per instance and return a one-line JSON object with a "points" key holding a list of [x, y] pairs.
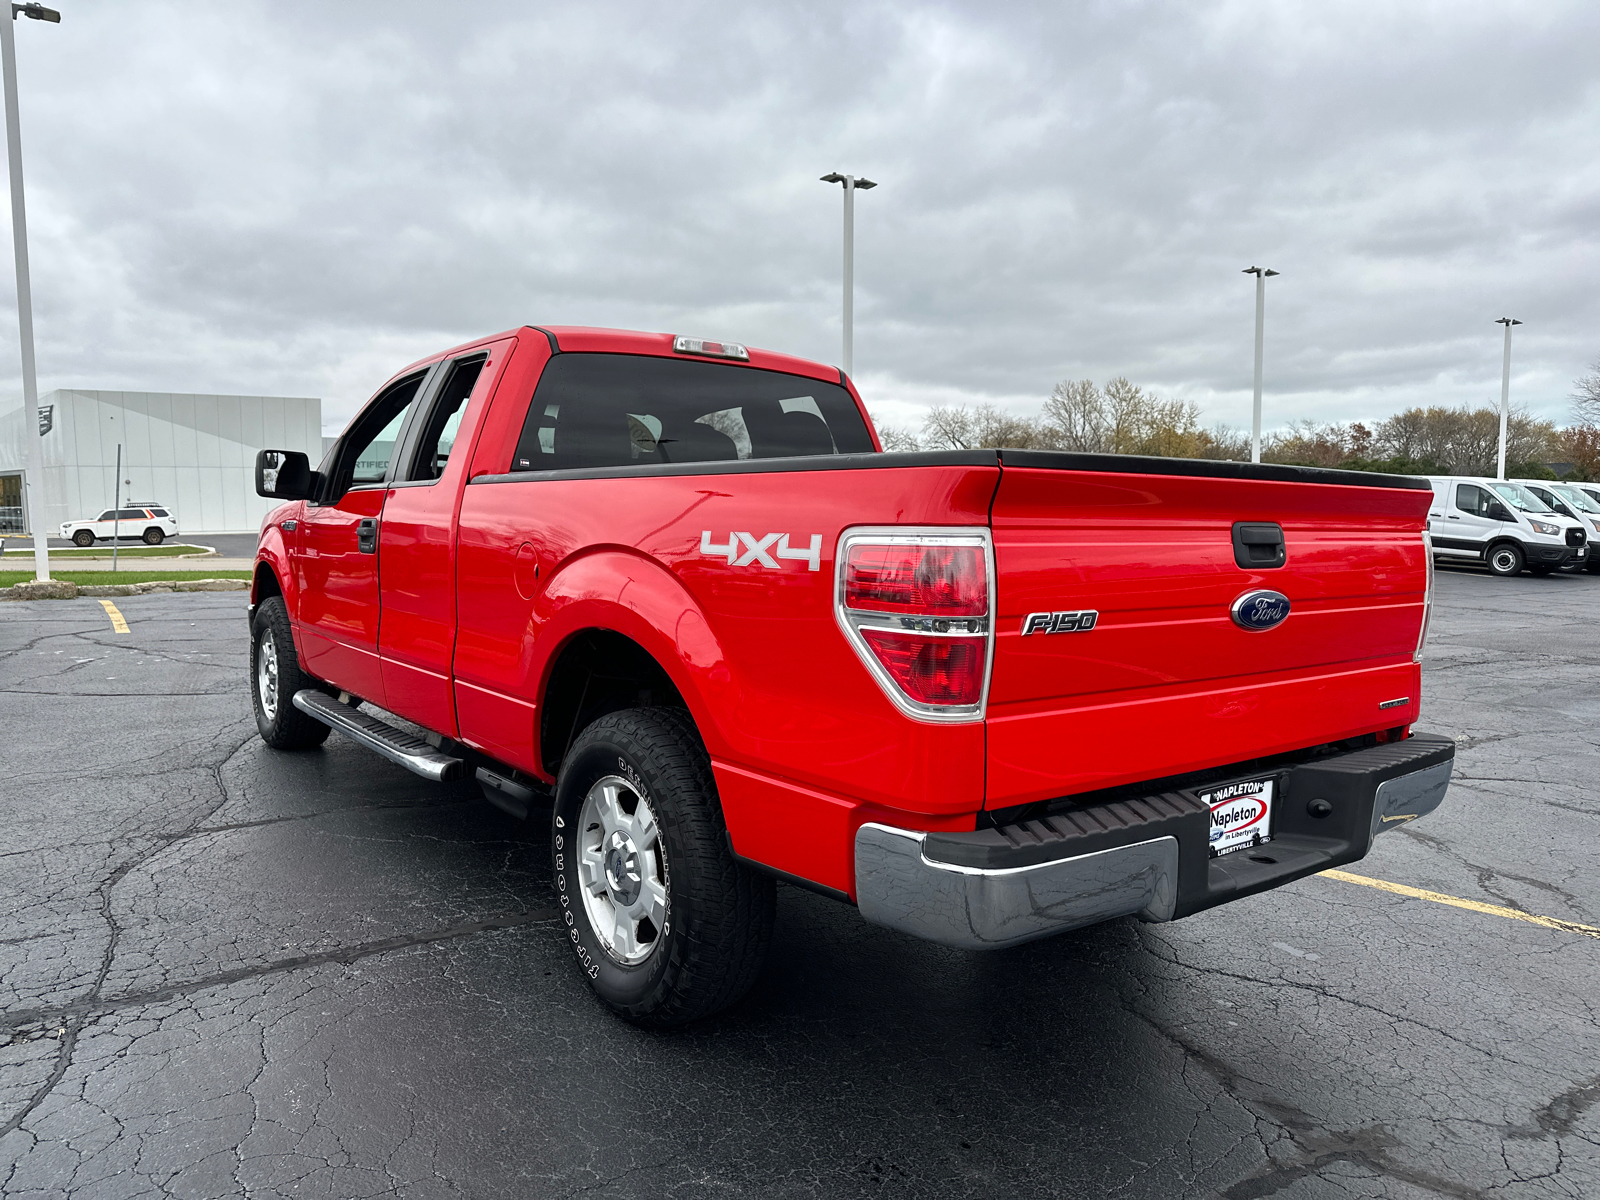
{"points": [[439, 438], [618, 410], [130, 514]]}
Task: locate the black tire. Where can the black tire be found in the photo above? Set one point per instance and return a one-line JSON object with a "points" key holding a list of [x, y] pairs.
{"points": [[717, 914], [1505, 559], [272, 653], [83, 538], [153, 536], [1541, 572]]}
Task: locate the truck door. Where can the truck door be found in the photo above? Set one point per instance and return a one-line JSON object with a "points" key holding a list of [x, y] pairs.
{"points": [[337, 566], [416, 541]]}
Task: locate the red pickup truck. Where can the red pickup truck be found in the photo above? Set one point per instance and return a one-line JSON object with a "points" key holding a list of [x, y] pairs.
{"points": [[674, 590]]}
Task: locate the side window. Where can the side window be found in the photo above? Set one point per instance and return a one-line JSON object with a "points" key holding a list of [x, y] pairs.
{"points": [[131, 514], [439, 436], [618, 410], [368, 447], [110, 514], [1472, 499], [158, 512]]}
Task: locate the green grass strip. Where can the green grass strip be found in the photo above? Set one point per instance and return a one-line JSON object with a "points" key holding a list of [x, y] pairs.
{"points": [[7, 578], [166, 551]]}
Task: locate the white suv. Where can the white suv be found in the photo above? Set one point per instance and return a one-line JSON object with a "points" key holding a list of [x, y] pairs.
{"points": [[1503, 525], [151, 522]]}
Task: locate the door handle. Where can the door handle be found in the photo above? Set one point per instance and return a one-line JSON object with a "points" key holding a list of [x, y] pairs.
{"points": [[1453, 517], [1258, 545], [367, 535]]}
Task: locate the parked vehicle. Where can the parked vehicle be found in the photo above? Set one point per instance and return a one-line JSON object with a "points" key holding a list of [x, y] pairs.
{"points": [[1502, 525], [1571, 501], [1591, 490], [152, 523], [673, 589]]}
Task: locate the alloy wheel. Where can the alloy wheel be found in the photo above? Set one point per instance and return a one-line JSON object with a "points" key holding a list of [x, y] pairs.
{"points": [[621, 871]]}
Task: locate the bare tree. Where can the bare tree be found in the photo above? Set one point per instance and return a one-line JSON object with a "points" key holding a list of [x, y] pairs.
{"points": [[1075, 416], [1586, 397], [949, 427], [895, 438]]}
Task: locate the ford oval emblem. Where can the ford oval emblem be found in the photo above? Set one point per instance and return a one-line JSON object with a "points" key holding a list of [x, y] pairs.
{"points": [[1260, 610]]}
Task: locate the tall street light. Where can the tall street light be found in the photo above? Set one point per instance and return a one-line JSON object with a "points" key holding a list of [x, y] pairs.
{"points": [[852, 184], [19, 234], [1262, 275], [1505, 394]]}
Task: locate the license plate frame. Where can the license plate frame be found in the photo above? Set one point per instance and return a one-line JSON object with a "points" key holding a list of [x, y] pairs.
{"points": [[1242, 813]]}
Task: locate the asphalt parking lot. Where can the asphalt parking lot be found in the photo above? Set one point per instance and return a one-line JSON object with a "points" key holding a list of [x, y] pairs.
{"points": [[227, 971]]}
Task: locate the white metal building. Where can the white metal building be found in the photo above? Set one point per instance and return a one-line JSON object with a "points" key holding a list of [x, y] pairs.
{"points": [[194, 454]]}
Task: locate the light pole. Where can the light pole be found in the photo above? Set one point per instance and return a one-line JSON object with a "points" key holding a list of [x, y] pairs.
{"points": [[19, 234], [1262, 275], [852, 184], [1505, 394]]}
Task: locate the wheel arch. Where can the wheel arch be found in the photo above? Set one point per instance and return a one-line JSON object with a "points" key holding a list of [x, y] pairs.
{"points": [[624, 627]]}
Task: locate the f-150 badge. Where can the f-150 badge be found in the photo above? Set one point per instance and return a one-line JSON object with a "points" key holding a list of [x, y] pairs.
{"points": [[1061, 622], [745, 549]]}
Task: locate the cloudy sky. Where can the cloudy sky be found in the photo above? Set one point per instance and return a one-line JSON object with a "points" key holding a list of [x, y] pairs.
{"points": [[301, 198]]}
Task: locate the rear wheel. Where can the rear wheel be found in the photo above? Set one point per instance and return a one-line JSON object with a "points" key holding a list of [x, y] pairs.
{"points": [[1505, 559], [275, 676], [667, 926], [83, 538], [153, 536]]}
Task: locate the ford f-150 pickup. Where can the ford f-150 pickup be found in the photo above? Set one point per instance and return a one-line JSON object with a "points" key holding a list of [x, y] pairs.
{"points": [[673, 592]]}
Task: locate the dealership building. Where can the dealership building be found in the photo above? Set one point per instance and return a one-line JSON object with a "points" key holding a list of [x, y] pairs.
{"points": [[192, 454]]}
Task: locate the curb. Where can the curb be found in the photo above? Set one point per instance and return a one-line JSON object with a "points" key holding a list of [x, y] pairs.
{"points": [[57, 589]]}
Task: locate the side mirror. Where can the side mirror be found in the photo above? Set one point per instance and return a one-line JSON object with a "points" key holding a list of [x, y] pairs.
{"points": [[1499, 512], [285, 475]]}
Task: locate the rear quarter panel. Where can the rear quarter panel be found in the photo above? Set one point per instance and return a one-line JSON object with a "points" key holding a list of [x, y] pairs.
{"points": [[800, 735]]}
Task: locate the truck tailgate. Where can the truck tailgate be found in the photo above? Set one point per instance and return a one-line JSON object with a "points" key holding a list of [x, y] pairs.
{"points": [[1165, 682]]}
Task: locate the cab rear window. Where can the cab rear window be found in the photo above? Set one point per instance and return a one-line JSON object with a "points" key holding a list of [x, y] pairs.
{"points": [[620, 410]]}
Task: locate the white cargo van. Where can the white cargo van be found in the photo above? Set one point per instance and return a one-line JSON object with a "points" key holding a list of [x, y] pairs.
{"points": [[1581, 503], [1502, 525]]}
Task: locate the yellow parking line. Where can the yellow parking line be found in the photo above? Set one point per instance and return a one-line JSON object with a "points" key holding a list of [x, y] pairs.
{"points": [[1494, 910], [118, 624]]}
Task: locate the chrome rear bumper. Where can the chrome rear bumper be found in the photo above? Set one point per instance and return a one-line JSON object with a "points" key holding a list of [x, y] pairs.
{"points": [[1147, 857], [899, 886]]}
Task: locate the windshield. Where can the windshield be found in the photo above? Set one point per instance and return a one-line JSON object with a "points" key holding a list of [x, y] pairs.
{"points": [[1520, 497], [1578, 498]]}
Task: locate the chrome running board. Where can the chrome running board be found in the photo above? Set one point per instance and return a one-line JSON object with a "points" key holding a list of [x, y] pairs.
{"points": [[396, 745]]}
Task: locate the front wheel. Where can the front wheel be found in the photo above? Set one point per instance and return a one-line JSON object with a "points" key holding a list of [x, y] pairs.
{"points": [[666, 925], [1505, 559], [275, 676], [83, 538]]}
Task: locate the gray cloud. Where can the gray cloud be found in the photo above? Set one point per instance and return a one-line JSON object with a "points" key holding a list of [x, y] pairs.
{"points": [[300, 199]]}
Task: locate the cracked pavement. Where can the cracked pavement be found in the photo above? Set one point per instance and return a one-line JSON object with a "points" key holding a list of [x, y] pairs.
{"points": [[226, 971]]}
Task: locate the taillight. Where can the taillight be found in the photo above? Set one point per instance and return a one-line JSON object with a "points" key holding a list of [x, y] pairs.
{"points": [[1427, 596], [945, 581], [931, 670], [917, 605]]}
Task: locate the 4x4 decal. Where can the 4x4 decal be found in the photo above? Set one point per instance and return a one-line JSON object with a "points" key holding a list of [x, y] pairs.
{"points": [[745, 549]]}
